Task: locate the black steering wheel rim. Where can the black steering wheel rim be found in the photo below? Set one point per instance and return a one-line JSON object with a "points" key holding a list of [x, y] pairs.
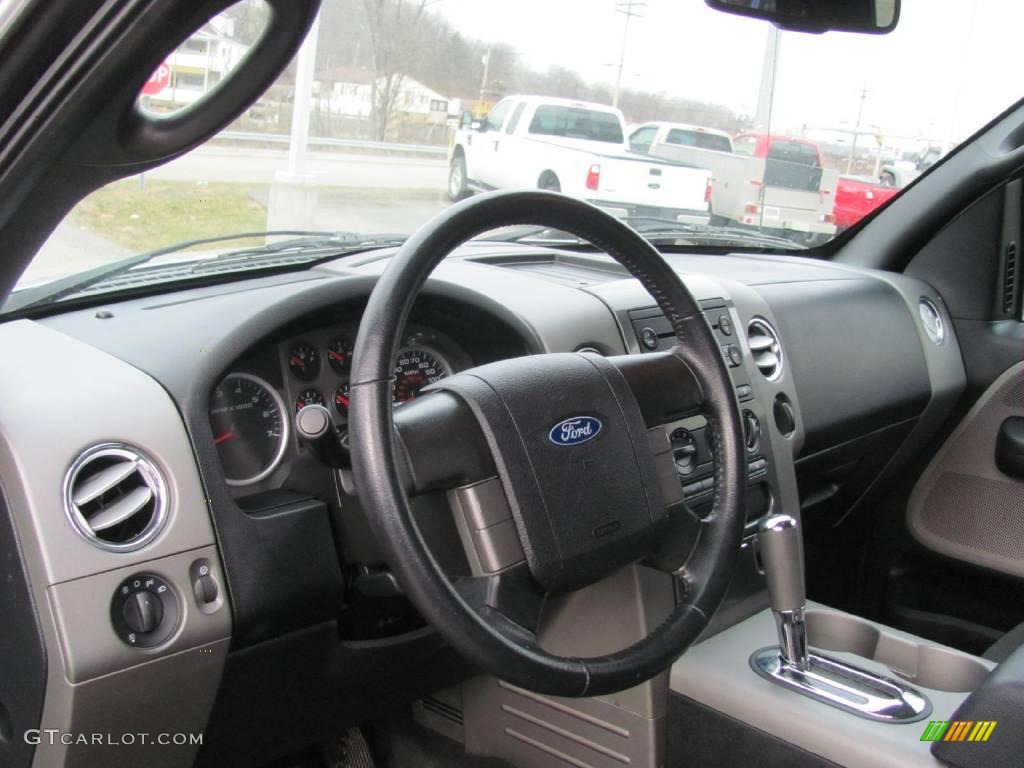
{"points": [[496, 645]]}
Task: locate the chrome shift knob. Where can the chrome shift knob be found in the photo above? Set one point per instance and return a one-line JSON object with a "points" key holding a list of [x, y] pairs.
{"points": [[782, 554]]}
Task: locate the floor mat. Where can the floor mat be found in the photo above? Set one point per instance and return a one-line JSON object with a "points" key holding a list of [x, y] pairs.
{"points": [[406, 744]]}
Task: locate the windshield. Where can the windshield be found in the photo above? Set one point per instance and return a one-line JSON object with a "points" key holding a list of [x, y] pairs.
{"points": [[702, 130]]}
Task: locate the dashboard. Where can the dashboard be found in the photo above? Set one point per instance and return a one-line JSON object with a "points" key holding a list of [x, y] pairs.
{"points": [[272, 582]]}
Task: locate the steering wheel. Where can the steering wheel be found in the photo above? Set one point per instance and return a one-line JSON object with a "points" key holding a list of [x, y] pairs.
{"points": [[557, 466]]}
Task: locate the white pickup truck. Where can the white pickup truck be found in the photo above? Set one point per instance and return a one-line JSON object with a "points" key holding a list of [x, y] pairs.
{"points": [[574, 147], [775, 183]]}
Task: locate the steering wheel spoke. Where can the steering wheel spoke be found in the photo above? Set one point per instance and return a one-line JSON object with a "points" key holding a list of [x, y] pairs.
{"points": [[441, 444], [664, 386], [512, 599]]}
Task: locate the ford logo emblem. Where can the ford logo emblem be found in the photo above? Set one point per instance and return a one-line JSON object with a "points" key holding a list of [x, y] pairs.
{"points": [[575, 431]]}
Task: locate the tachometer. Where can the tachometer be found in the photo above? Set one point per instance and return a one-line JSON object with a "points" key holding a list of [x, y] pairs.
{"points": [[415, 368], [250, 428], [304, 360]]}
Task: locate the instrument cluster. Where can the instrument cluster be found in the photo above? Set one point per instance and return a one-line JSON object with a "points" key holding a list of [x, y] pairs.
{"points": [[251, 419]]}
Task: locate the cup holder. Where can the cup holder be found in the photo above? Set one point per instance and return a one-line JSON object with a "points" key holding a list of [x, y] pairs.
{"points": [[929, 666]]}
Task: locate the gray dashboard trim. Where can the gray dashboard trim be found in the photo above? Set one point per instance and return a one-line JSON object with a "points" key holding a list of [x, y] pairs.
{"points": [[62, 397]]}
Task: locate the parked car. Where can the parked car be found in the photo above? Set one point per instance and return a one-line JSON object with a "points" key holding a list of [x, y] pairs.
{"points": [[577, 148], [777, 183], [857, 196], [902, 172]]}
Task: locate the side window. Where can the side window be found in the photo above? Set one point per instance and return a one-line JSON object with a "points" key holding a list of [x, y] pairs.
{"points": [[511, 127], [496, 116], [686, 138], [642, 139], [745, 145], [793, 152]]}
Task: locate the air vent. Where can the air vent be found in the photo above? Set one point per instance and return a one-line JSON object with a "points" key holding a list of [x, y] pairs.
{"points": [[765, 347], [115, 497], [1010, 279]]}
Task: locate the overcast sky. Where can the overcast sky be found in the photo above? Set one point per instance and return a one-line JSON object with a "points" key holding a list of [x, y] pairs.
{"points": [[949, 67]]}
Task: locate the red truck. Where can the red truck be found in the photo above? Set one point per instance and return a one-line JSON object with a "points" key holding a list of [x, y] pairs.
{"points": [[856, 197]]}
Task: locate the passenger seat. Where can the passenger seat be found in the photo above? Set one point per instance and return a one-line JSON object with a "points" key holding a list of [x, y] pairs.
{"points": [[1006, 645]]}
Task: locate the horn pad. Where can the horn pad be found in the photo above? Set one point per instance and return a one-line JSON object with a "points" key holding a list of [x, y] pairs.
{"points": [[573, 454]]}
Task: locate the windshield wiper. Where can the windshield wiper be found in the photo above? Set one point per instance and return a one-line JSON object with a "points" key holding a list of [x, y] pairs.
{"points": [[299, 247]]}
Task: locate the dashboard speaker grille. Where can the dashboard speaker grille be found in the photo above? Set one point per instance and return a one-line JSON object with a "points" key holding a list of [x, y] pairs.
{"points": [[115, 497], [765, 348]]}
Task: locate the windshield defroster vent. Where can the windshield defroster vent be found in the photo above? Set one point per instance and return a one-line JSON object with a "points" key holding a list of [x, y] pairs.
{"points": [[765, 347], [115, 497]]}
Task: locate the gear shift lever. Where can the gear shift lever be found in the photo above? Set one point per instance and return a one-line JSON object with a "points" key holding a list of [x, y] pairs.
{"points": [[833, 682], [782, 555]]}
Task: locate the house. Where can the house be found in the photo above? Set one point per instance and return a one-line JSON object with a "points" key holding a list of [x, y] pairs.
{"points": [[348, 92], [198, 64]]}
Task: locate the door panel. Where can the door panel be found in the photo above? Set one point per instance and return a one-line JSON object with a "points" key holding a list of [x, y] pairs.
{"points": [[963, 506]]}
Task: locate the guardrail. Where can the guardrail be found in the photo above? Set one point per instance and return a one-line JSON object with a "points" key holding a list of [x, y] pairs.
{"points": [[431, 150]]}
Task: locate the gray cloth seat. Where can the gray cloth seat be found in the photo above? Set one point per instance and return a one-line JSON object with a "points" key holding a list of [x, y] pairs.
{"points": [[1006, 645]]}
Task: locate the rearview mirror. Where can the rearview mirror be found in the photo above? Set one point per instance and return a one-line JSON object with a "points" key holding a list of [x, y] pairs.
{"points": [[874, 17]]}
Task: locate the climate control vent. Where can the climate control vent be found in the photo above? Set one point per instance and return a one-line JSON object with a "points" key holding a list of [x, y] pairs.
{"points": [[115, 497], [765, 347]]}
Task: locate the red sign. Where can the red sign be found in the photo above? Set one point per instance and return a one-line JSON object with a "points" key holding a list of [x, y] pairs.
{"points": [[159, 80]]}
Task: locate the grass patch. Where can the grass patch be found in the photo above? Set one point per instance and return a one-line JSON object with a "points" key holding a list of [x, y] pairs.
{"points": [[141, 217]]}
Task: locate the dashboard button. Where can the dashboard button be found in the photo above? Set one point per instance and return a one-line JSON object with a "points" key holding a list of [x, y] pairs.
{"points": [[692, 489], [734, 355], [744, 392], [649, 338], [725, 325], [205, 588]]}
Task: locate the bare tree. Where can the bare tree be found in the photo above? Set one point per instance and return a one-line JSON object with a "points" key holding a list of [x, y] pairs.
{"points": [[394, 53]]}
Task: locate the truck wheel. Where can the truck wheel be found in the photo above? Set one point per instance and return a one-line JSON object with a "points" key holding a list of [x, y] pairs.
{"points": [[888, 179], [718, 221], [457, 186], [549, 182]]}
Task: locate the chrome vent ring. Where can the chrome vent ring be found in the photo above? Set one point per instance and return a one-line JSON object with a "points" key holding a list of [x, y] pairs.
{"points": [[765, 347], [115, 497]]}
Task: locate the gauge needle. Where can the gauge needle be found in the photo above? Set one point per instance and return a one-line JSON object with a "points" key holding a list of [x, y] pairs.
{"points": [[223, 438], [298, 361], [335, 356], [342, 399]]}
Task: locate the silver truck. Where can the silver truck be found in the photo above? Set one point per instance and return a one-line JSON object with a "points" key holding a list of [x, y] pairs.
{"points": [[775, 183]]}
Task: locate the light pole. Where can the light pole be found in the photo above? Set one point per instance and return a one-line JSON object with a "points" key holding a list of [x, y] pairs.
{"points": [[856, 130], [769, 68], [487, 70], [628, 9]]}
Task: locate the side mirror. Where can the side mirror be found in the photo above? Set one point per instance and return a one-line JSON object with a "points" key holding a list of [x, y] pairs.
{"points": [[466, 119], [873, 17], [481, 124]]}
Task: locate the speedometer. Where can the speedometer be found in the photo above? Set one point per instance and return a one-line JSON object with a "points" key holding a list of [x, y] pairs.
{"points": [[250, 428], [415, 368]]}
